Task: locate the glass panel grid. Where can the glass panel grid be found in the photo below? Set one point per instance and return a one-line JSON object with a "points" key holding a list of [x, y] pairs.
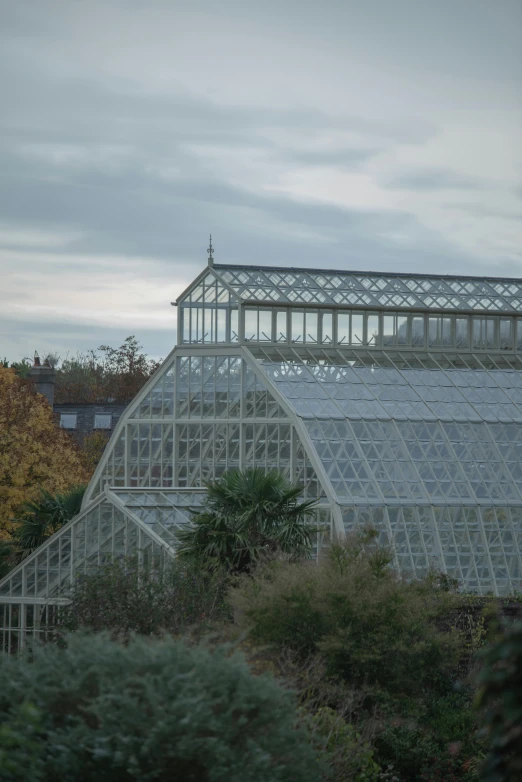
{"points": [[428, 445]]}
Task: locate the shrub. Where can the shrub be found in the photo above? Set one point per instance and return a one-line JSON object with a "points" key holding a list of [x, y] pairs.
{"points": [[124, 598], [149, 711], [415, 756], [367, 624], [351, 758], [500, 691], [19, 747]]}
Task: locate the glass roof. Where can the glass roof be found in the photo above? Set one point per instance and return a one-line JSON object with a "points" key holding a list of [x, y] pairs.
{"points": [[310, 286], [164, 512], [385, 393], [420, 435]]}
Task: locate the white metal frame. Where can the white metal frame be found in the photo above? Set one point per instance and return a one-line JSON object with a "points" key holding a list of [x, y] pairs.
{"points": [[145, 456]]}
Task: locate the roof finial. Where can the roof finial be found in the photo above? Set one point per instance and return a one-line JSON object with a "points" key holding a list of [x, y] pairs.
{"points": [[210, 251]]}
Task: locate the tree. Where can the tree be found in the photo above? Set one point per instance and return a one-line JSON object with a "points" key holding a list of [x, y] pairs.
{"points": [[34, 453], [20, 367], [107, 375], [93, 446], [250, 515], [40, 518]]}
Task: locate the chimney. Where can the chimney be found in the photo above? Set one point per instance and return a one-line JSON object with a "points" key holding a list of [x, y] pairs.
{"points": [[43, 378]]}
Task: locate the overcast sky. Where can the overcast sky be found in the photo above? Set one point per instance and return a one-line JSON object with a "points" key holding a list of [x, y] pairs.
{"points": [[384, 134]]}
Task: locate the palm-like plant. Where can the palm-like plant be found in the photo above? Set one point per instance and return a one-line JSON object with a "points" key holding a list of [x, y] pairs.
{"points": [[41, 518], [250, 515]]}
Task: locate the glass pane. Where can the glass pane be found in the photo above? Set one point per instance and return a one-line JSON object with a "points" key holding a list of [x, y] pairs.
{"points": [[439, 333], [234, 326], [250, 325], [197, 294], [327, 328], [479, 332], [434, 339], [343, 328], [297, 326], [195, 328], [446, 331], [491, 333], [417, 331], [506, 333], [372, 328], [208, 324], [462, 332], [265, 325], [311, 327], [519, 333], [402, 329], [357, 329], [281, 328], [221, 335], [185, 326], [388, 334]]}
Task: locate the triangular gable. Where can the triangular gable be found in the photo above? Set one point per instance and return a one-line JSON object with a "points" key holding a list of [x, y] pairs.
{"points": [[103, 531]]}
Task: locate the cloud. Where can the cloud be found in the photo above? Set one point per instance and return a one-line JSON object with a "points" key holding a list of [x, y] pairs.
{"points": [[432, 180], [370, 136]]}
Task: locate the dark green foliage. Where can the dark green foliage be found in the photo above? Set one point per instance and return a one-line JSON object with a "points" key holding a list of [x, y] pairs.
{"points": [[249, 516], [354, 612], [21, 368], [500, 683], [415, 755], [20, 745], [38, 519], [8, 557], [351, 757], [451, 718], [124, 598], [147, 711]]}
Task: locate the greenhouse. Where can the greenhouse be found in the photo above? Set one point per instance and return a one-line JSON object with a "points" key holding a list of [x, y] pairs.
{"points": [[395, 400]]}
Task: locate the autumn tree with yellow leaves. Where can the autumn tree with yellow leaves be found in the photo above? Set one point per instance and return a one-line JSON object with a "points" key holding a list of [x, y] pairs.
{"points": [[34, 453]]}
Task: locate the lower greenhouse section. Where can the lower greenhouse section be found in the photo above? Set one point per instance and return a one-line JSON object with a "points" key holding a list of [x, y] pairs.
{"points": [[30, 596], [117, 525]]}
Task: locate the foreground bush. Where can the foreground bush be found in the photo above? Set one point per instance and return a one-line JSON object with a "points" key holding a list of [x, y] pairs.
{"points": [[124, 598], [368, 625], [158, 710], [501, 692]]}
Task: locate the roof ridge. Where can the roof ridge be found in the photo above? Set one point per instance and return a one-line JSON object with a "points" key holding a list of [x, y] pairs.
{"points": [[366, 273]]}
